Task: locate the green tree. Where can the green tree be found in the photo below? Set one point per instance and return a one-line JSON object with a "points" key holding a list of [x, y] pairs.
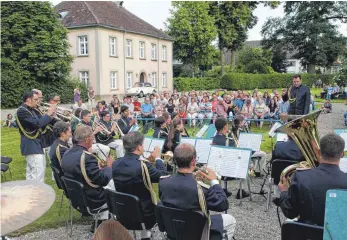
{"points": [[308, 29], [254, 60], [34, 49], [193, 30]]}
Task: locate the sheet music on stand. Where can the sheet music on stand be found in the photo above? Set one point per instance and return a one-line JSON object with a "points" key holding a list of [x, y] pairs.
{"points": [[281, 137], [344, 136], [134, 128], [274, 128], [229, 161], [343, 164], [250, 140], [150, 143], [202, 147], [202, 131]]}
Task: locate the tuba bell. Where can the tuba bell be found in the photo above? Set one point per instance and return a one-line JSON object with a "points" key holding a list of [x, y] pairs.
{"points": [[303, 130]]}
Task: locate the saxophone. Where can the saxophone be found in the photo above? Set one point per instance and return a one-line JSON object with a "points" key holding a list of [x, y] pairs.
{"points": [[304, 132]]}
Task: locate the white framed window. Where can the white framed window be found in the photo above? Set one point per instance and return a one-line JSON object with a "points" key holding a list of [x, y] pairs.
{"points": [[129, 80], [154, 79], [114, 79], [84, 77], [113, 46], [163, 53], [129, 50], [163, 80], [83, 45], [142, 50], [154, 51]]}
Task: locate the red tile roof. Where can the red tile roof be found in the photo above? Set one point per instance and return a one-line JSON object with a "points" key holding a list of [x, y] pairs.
{"points": [[105, 14]]}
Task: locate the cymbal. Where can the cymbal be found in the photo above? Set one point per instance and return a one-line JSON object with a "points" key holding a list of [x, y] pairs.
{"points": [[22, 202], [112, 230]]}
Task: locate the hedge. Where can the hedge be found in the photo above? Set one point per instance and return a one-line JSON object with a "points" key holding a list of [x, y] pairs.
{"points": [[187, 84], [247, 81], [14, 83]]}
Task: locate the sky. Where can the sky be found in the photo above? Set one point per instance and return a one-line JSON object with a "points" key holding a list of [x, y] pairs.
{"points": [[157, 12]]}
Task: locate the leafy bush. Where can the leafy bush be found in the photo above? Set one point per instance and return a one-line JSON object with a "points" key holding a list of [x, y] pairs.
{"points": [[250, 81], [187, 84]]}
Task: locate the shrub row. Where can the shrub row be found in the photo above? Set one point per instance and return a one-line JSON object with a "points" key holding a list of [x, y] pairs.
{"points": [[15, 83], [236, 81], [187, 84]]}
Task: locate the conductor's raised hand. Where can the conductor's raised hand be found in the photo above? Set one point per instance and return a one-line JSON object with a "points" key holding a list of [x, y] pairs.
{"points": [[156, 153], [211, 175]]}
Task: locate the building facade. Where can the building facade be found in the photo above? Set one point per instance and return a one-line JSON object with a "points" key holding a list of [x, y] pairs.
{"points": [[113, 49]]}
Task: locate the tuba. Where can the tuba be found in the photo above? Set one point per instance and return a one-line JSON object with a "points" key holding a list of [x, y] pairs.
{"points": [[303, 130]]}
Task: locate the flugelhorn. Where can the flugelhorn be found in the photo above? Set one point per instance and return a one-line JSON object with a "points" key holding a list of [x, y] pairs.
{"points": [[304, 132], [60, 112]]}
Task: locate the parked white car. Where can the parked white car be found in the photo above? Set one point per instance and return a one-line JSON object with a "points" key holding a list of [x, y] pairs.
{"points": [[140, 90]]}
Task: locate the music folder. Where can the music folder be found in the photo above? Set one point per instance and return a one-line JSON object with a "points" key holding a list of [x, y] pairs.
{"points": [[134, 128], [281, 137], [343, 164], [202, 147], [202, 131], [229, 161], [251, 140]]}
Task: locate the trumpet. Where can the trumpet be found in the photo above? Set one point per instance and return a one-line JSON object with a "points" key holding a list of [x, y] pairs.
{"points": [[104, 129], [60, 112], [119, 130], [167, 157]]}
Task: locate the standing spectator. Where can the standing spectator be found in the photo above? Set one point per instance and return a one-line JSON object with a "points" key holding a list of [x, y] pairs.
{"points": [[115, 104], [91, 96], [170, 106], [260, 111], [192, 111], [221, 108], [77, 95]]}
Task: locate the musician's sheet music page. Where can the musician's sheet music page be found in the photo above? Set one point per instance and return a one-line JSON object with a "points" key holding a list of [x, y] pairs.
{"points": [[190, 141], [134, 128], [156, 142], [235, 163], [344, 136], [343, 164], [146, 143], [201, 132], [281, 137], [251, 141], [215, 158], [203, 147]]}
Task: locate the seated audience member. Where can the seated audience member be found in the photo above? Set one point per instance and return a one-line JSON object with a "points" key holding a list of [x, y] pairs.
{"points": [[324, 91], [146, 110], [327, 107], [182, 191], [230, 104], [170, 106], [273, 110], [125, 122], [192, 109], [62, 133], [10, 121], [306, 194], [260, 111], [137, 107], [330, 91], [205, 109], [248, 109], [221, 139], [79, 104], [81, 165], [336, 91], [182, 109], [127, 176], [221, 108], [158, 109]]}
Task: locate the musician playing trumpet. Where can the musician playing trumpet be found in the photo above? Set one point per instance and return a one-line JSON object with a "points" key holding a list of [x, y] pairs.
{"points": [[182, 191], [102, 151], [125, 122], [105, 137]]}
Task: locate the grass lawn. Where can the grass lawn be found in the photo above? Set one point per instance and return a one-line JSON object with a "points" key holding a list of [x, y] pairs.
{"points": [[10, 146]]}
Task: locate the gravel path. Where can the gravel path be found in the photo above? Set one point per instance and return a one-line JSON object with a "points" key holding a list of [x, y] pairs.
{"points": [[252, 220]]}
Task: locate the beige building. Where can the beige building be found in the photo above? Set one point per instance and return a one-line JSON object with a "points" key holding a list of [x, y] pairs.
{"points": [[113, 48]]}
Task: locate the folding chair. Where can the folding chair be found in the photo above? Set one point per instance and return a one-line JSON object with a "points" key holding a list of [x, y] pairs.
{"points": [[300, 231], [60, 184], [7, 161]]}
